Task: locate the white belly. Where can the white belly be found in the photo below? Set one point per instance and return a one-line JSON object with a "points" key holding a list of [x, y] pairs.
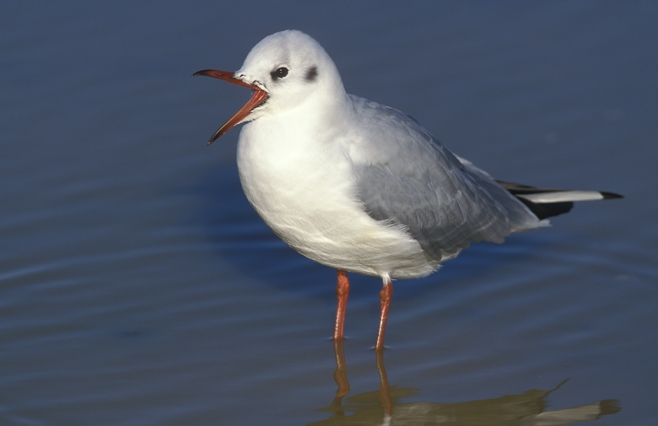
{"points": [[303, 189]]}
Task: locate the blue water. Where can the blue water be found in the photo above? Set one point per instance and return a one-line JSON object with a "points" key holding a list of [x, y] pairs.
{"points": [[138, 287]]}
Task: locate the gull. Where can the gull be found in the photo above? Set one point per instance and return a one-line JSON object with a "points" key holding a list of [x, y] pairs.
{"points": [[359, 186]]}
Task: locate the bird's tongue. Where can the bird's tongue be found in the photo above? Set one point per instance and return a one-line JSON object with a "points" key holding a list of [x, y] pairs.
{"points": [[256, 99]]}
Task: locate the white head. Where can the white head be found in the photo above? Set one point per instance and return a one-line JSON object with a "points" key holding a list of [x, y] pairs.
{"points": [[286, 70]]}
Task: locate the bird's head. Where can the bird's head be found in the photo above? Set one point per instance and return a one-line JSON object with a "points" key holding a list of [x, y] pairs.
{"points": [[285, 71]]}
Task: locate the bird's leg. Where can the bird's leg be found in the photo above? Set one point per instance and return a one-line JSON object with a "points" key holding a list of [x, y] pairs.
{"points": [[385, 296], [342, 292], [340, 375]]}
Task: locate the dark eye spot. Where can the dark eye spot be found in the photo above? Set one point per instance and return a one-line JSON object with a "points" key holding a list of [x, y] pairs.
{"points": [[311, 73], [279, 73]]}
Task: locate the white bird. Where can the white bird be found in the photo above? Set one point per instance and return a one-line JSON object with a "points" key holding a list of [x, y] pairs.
{"points": [[359, 186]]}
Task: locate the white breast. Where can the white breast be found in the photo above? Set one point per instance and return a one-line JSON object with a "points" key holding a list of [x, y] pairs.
{"points": [[301, 184]]}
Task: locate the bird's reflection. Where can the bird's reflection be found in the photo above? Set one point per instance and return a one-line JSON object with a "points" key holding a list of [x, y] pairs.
{"points": [[382, 407]]}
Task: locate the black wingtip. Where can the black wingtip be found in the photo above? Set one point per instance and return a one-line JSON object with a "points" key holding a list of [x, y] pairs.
{"points": [[546, 210], [610, 195], [610, 406]]}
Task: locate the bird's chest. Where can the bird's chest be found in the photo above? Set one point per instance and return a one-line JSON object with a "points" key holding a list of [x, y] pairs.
{"points": [[305, 189], [297, 183]]}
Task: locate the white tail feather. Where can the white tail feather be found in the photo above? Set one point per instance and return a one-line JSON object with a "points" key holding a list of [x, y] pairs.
{"points": [[561, 196]]}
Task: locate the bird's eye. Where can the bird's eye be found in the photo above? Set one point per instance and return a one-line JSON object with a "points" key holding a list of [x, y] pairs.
{"points": [[279, 73]]}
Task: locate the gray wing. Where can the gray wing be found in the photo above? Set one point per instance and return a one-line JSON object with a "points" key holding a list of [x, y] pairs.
{"points": [[405, 176]]}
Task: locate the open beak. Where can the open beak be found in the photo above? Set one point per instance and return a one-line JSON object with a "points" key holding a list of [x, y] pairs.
{"points": [[257, 98]]}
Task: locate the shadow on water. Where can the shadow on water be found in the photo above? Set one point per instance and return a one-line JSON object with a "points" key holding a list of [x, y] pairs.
{"points": [[383, 406], [241, 238]]}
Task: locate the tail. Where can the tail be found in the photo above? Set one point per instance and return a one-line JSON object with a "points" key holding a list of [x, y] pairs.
{"points": [[546, 203]]}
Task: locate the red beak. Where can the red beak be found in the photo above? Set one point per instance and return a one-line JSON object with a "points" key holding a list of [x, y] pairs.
{"points": [[257, 98]]}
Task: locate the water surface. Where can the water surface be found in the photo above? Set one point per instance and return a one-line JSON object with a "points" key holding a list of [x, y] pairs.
{"points": [[138, 287]]}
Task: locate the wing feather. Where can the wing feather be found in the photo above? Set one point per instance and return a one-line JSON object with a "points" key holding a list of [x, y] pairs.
{"points": [[406, 177]]}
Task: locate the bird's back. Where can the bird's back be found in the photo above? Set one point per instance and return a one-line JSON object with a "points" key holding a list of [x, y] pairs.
{"points": [[405, 176]]}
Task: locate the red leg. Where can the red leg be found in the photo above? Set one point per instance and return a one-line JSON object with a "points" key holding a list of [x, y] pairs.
{"points": [[342, 292], [385, 296]]}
